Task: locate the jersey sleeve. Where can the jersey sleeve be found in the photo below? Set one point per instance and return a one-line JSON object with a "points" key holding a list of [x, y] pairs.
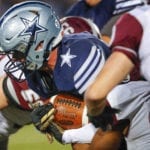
{"points": [[126, 36], [20, 94], [79, 60]]}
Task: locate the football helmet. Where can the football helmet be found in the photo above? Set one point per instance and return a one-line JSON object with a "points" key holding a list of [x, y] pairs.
{"points": [[29, 31], [75, 24]]}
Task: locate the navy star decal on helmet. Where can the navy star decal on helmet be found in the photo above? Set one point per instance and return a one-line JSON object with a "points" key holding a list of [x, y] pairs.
{"points": [[32, 27]]}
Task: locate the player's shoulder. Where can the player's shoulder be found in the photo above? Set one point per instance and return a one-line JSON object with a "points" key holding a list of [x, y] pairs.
{"points": [[76, 54], [78, 42], [141, 13], [78, 36], [140, 10], [72, 53], [81, 45]]}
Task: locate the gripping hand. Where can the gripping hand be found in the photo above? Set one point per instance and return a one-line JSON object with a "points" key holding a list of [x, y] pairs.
{"points": [[105, 119], [42, 116], [56, 131]]}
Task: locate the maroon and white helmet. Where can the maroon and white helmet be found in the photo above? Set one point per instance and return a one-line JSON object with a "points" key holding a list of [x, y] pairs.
{"points": [[75, 24]]}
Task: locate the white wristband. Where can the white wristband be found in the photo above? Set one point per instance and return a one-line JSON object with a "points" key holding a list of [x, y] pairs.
{"points": [[84, 134]]}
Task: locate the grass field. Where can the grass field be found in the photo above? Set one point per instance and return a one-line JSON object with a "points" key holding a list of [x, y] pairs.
{"points": [[29, 138]]}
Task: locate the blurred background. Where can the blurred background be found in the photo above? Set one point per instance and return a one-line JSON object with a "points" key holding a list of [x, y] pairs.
{"points": [[60, 6]]}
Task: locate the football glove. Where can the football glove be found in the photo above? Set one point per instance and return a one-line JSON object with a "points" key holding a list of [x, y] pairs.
{"points": [[56, 131], [42, 116], [105, 120]]}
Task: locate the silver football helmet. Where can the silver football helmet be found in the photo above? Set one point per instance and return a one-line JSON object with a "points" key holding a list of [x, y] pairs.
{"points": [[29, 31]]}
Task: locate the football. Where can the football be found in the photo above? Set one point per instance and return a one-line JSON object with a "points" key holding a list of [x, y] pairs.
{"points": [[71, 111]]}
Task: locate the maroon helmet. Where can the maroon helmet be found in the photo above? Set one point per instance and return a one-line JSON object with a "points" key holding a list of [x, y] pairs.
{"points": [[74, 24]]}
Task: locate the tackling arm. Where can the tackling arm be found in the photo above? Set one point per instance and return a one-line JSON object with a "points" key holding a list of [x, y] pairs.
{"points": [[114, 71]]}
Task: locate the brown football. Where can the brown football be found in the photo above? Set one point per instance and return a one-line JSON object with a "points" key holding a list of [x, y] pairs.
{"points": [[71, 111]]}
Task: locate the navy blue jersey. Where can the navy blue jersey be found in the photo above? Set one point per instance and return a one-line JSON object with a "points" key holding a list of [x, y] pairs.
{"points": [[80, 58]]}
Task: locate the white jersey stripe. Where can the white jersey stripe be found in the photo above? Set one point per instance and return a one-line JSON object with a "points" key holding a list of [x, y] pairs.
{"points": [[93, 76], [86, 64], [126, 5], [89, 71]]}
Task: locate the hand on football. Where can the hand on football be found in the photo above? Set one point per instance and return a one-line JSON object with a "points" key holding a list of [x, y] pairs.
{"points": [[42, 116], [104, 120], [56, 131]]}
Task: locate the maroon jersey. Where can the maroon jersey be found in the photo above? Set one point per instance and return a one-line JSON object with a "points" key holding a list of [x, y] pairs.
{"points": [[19, 92], [126, 38]]}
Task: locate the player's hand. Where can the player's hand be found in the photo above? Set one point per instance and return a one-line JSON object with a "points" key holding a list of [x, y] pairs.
{"points": [[105, 120], [56, 131], [42, 116]]}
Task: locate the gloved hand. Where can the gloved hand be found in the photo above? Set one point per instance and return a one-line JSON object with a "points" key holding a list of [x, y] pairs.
{"points": [[42, 116], [56, 131], [105, 120]]}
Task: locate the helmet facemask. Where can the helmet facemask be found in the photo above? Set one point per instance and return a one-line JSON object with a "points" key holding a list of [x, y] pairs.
{"points": [[23, 28]]}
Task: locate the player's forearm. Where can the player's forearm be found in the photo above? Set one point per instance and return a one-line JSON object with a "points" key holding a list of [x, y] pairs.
{"points": [[3, 99], [114, 71], [94, 139]]}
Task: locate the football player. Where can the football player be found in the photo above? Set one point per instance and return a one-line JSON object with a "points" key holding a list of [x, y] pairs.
{"points": [[130, 55], [79, 56], [101, 11], [91, 55], [17, 99], [14, 104], [132, 99], [47, 37], [104, 13]]}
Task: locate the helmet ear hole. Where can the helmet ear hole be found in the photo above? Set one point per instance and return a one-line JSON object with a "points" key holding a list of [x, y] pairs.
{"points": [[39, 46]]}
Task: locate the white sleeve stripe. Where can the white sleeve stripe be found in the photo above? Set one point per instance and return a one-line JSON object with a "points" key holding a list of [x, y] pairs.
{"points": [[125, 5], [128, 3], [126, 49], [87, 62], [93, 76], [86, 74]]}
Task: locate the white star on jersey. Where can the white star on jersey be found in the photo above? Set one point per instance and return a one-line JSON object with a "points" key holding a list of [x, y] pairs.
{"points": [[66, 58]]}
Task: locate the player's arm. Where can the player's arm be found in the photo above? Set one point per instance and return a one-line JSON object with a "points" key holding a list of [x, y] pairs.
{"points": [[101, 141], [3, 98], [118, 65], [114, 71]]}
